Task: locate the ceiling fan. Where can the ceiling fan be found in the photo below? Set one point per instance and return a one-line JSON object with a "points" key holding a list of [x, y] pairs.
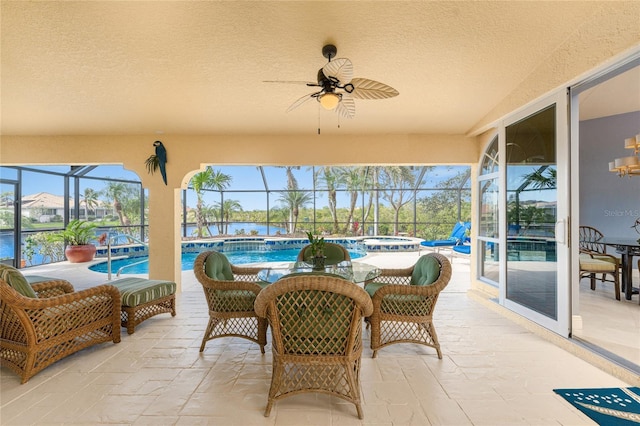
{"points": [[338, 88]]}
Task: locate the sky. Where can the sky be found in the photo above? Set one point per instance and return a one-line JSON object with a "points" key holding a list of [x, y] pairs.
{"points": [[244, 178]]}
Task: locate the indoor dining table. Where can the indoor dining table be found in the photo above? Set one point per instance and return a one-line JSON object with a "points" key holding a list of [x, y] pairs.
{"points": [[627, 248]]}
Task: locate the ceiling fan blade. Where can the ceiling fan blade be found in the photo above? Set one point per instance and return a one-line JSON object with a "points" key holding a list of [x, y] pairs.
{"points": [[340, 68], [347, 107], [308, 83], [370, 89], [302, 100]]}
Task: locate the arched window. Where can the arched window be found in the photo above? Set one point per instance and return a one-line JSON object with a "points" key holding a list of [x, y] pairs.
{"points": [[488, 230]]}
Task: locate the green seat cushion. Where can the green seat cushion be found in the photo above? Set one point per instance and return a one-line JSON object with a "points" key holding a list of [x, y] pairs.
{"points": [[233, 301], [137, 291], [16, 280], [217, 267], [426, 271], [371, 288]]}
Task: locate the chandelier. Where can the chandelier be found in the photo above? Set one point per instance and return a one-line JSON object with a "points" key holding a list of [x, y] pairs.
{"points": [[628, 166]]}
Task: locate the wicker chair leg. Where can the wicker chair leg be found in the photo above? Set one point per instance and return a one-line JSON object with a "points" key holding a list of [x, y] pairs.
{"points": [[262, 333], [276, 381], [431, 330], [353, 377], [592, 277], [359, 410], [267, 410], [208, 331]]}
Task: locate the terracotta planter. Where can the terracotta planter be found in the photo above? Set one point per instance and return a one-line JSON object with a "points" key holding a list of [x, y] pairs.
{"points": [[79, 254]]}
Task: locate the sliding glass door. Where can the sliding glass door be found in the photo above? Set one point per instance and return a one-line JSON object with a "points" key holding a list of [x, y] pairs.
{"points": [[536, 199]]}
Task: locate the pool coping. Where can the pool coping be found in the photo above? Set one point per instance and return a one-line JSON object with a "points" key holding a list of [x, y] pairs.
{"points": [[229, 244]]}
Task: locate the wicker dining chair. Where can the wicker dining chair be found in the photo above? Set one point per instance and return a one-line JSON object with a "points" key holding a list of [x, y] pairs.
{"points": [[593, 252], [230, 291], [335, 253], [404, 301], [316, 326], [46, 321]]}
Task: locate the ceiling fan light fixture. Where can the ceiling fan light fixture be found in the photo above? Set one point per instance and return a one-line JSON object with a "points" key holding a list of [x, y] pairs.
{"points": [[329, 100]]}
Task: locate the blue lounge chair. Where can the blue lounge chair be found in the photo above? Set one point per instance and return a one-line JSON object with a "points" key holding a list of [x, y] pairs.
{"points": [[464, 249], [458, 236]]}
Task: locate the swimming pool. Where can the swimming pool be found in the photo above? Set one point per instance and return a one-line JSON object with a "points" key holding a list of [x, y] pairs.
{"points": [[235, 257]]}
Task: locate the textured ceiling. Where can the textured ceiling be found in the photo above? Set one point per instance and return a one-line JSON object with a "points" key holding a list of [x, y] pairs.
{"points": [[84, 68]]}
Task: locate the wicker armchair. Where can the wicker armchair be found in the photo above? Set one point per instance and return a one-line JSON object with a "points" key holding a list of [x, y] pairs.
{"points": [[230, 291], [316, 326], [404, 300], [54, 321], [335, 253]]}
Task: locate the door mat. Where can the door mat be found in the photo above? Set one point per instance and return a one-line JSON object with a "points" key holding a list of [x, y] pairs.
{"points": [[606, 406]]}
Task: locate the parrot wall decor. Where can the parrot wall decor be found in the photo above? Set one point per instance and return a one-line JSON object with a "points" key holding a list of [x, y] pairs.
{"points": [[158, 161]]}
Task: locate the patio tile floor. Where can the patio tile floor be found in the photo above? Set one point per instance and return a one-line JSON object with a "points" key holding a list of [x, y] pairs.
{"points": [[493, 372]]}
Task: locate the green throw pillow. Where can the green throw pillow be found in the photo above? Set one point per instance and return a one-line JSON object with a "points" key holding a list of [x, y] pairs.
{"points": [[217, 267], [426, 271], [16, 280]]}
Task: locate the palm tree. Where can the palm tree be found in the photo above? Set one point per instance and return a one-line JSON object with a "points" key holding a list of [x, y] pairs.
{"points": [[397, 183], [207, 179], [228, 207], [538, 179], [292, 183], [294, 201], [330, 179], [371, 183], [354, 180], [117, 191], [209, 214], [7, 199], [90, 201]]}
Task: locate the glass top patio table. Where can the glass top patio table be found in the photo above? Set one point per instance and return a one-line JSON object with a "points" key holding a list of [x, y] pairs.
{"points": [[356, 272]]}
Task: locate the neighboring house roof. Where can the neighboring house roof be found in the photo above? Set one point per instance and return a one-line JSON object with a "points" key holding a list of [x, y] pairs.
{"points": [[43, 200], [50, 201]]}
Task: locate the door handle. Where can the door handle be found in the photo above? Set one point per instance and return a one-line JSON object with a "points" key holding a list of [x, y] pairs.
{"points": [[560, 231]]}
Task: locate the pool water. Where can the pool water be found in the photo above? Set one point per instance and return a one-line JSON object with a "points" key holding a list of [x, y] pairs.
{"points": [[235, 257]]}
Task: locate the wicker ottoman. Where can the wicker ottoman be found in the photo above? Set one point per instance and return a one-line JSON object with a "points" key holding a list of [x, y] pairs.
{"points": [[143, 298]]}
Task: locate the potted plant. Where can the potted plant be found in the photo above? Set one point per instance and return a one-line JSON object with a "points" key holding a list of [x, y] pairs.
{"points": [[316, 247], [78, 235]]}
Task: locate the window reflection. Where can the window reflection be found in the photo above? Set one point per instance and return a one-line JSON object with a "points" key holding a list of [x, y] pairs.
{"points": [[531, 212], [489, 209], [488, 230]]}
